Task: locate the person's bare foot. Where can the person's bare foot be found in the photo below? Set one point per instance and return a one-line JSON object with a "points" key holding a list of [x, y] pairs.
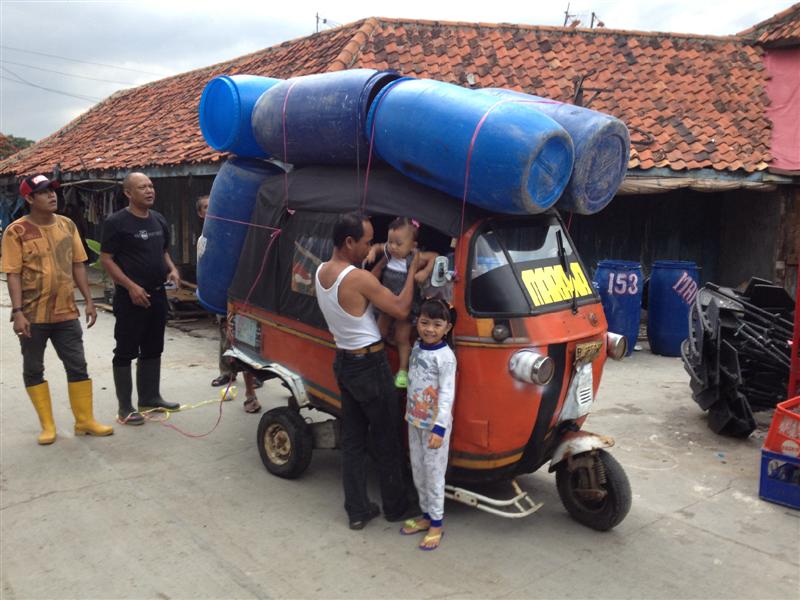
{"points": [[252, 405]]}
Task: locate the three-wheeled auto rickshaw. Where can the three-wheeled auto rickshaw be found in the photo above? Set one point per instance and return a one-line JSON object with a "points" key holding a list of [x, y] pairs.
{"points": [[531, 338]]}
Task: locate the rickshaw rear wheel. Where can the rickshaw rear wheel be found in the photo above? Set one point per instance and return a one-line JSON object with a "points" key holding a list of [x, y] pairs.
{"points": [[594, 489], [284, 442]]}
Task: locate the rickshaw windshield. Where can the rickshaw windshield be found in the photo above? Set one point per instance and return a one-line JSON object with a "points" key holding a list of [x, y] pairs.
{"points": [[525, 266]]}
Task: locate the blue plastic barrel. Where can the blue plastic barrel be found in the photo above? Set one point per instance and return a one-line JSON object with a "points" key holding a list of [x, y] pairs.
{"points": [[324, 117], [673, 287], [620, 283], [602, 146], [230, 207], [521, 159], [226, 107]]}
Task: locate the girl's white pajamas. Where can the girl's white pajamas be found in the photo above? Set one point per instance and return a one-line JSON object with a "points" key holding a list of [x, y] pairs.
{"points": [[429, 407]]}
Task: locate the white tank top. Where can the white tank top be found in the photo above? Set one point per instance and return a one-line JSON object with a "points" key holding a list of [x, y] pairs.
{"points": [[349, 332]]}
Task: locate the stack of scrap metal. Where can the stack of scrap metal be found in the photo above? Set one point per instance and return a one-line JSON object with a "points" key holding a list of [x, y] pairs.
{"points": [[738, 353]]}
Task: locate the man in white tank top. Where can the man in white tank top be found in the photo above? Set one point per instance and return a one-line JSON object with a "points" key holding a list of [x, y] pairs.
{"points": [[370, 406]]}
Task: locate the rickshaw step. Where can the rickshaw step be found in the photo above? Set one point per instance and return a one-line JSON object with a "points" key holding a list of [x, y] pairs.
{"points": [[521, 505]]}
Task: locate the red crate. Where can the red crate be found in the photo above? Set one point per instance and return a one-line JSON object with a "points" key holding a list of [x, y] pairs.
{"points": [[784, 432]]}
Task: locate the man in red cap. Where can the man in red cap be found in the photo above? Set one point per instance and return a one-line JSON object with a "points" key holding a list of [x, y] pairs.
{"points": [[43, 257]]}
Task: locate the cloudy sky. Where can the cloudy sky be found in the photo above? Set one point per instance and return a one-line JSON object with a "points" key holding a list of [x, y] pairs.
{"points": [[59, 57]]}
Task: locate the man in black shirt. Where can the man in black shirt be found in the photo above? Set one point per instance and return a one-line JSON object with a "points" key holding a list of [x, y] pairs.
{"points": [[135, 254]]}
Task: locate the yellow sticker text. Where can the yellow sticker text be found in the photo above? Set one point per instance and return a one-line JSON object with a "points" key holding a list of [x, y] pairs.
{"points": [[548, 285]]}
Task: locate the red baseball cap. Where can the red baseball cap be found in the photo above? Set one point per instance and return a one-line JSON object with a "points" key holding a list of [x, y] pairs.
{"points": [[36, 183]]}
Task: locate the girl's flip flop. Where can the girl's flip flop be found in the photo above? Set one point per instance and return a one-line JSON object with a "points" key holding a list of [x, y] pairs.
{"points": [[431, 537], [412, 527]]}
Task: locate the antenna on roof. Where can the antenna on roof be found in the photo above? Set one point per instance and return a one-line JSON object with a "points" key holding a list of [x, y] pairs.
{"points": [[567, 16], [325, 21], [596, 17]]}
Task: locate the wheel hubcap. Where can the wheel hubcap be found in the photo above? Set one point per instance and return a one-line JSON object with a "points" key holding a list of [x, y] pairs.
{"points": [[278, 444]]}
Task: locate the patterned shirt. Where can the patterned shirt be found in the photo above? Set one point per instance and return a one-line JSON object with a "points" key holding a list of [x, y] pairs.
{"points": [[431, 387], [43, 255]]}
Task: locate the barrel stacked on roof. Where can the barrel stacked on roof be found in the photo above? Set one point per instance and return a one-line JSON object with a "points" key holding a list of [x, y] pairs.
{"points": [[504, 151]]}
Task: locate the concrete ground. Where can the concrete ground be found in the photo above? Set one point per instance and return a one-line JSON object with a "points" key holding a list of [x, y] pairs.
{"points": [[151, 513]]}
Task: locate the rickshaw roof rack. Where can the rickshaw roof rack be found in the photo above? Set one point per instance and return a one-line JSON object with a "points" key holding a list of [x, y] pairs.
{"points": [[333, 189]]}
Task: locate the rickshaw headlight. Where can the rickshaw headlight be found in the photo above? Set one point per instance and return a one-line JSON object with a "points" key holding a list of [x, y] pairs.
{"points": [[617, 345], [531, 367]]}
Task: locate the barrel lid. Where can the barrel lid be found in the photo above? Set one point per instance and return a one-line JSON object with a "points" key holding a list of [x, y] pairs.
{"points": [[674, 264], [375, 103], [619, 264], [219, 112]]}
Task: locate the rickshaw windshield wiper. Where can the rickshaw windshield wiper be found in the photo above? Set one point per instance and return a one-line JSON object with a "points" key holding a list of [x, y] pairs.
{"points": [[562, 256]]}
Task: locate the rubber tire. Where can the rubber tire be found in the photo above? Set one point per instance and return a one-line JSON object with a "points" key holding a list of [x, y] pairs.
{"points": [[300, 440], [613, 508]]}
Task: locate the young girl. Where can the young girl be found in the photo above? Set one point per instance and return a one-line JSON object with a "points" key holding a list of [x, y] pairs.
{"points": [[429, 407], [392, 270]]}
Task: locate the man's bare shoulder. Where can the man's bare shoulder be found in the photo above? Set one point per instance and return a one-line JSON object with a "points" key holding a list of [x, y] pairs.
{"points": [[359, 279]]}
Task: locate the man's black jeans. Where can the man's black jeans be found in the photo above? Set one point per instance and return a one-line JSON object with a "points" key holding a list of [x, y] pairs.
{"points": [[138, 331], [370, 408], [67, 339]]}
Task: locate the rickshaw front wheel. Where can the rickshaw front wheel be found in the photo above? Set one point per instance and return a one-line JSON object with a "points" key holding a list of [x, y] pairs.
{"points": [[284, 442], [594, 489]]}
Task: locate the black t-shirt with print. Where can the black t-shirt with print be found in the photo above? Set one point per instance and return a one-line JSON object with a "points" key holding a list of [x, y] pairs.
{"points": [[137, 245]]}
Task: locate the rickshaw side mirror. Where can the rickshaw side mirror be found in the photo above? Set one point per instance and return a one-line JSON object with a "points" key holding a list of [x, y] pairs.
{"points": [[441, 275]]}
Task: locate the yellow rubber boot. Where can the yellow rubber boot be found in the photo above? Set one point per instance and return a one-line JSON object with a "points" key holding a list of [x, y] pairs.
{"points": [[40, 397], [80, 398]]}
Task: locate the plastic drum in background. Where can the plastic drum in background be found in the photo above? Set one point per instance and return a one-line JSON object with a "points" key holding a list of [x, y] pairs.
{"points": [[619, 283], [324, 117], [225, 111], [673, 287], [602, 146], [520, 160], [230, 207]]}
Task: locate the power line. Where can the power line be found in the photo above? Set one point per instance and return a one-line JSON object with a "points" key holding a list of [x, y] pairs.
{"points": [[85, 62], [84, 98], [47, 89], [8, 62]]}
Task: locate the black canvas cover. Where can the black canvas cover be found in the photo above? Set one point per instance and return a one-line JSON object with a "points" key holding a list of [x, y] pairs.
{"points": [[281, 280]]}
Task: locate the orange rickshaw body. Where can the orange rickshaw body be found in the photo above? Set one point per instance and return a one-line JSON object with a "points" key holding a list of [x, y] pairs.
{"points": [[502, 426]]}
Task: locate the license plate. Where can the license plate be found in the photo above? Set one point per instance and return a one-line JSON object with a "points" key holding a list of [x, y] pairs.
{"points": [[587, 352], [246, 330]]}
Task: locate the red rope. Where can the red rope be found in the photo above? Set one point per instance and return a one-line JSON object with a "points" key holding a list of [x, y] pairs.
{"points": [[188, 434], [371, 147], [272, 237], [215, 218], [475, 137]]}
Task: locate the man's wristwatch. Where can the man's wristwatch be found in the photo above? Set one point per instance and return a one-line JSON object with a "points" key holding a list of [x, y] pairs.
{"points": [[16, 309]]}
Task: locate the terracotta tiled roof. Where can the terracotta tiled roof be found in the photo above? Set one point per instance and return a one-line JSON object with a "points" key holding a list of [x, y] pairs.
{"points": [[691, 102], [157, 123], [6, 147], [782, 29]]}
